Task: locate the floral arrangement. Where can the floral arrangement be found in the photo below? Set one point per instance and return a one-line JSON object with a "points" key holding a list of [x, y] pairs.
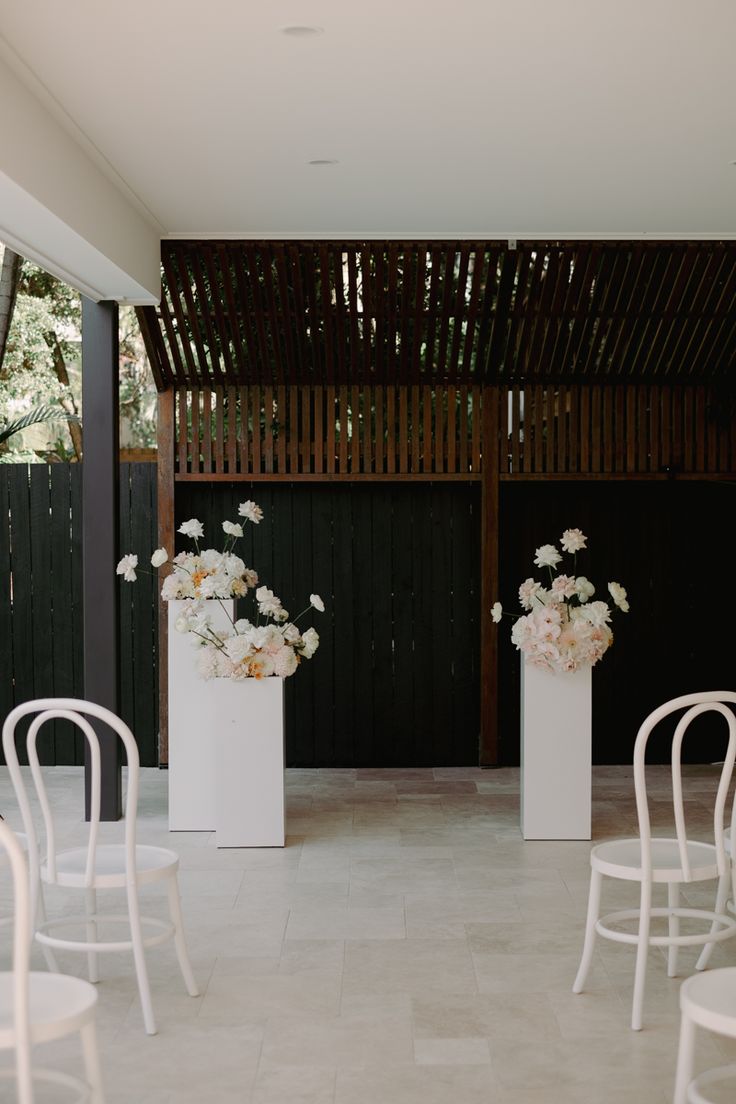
{"points": [[563, 629], [270, 645]]}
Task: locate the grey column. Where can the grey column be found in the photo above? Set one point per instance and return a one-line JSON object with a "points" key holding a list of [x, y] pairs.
{"points": [[100, 534]]}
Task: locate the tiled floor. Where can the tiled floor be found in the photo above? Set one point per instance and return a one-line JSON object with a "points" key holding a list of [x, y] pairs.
{"points": [[406, 946]]}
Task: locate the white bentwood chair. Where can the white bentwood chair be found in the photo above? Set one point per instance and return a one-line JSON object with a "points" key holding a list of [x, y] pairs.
{"points": [[96, 866], [707, 1001], [674, 862], [38, 1008]]}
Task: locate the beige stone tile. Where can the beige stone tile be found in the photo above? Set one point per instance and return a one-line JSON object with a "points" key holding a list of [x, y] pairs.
{"points": [[335, 922], [356, 1038], [466, 1051], [414, 1084], [408, 966], [293, 1085], [506, 1016]]}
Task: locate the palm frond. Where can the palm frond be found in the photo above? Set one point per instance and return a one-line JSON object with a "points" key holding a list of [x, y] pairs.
{"points": [[33, 417]]}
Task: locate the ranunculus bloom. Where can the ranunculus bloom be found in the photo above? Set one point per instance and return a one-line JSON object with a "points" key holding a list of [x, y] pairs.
{"points": [[547, 556], [159, 557], [316, 601], [573, 540], [127, 567], [585, 588]]}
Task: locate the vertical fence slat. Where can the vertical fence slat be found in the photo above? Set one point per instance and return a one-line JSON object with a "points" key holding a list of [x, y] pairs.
{"points": [[390, 429], [378, 435]]}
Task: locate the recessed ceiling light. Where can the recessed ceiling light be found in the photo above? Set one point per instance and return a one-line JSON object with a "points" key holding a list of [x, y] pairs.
{"points": [[324, 161], [301, 31]]}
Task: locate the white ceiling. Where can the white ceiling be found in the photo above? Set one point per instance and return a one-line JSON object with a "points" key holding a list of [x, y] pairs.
{"points": [[458, 118]]}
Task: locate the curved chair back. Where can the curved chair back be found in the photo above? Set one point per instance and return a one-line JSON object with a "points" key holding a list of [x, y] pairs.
{"points": [[21, 957], [716, 701], [76, 711]]}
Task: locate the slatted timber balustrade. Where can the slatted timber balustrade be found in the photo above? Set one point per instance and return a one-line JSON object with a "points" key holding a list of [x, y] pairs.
{"points": [[420, 432]]}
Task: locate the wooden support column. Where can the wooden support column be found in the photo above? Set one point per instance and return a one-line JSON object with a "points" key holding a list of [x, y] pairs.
{"points": [[101, 538], [489, 582], [165, 473]]}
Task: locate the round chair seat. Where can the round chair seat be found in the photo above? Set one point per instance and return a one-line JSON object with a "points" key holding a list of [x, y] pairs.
{"points": [[58, 1005], [622, 859], [709, 999], [152, 864]]}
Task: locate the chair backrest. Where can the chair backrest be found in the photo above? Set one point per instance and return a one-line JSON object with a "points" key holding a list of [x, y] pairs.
{"points": [[715, 701], [11, 846], [76, 711]]}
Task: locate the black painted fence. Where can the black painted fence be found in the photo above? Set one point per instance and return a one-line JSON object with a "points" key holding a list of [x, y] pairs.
{"points": [[41, 599]]}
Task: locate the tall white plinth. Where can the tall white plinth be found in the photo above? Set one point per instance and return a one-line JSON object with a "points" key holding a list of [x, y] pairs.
{"points": [[191, 772], [248, 752], [556, 750]]}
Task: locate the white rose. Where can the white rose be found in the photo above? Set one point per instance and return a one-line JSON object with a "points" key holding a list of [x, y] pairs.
{"points": [[192, 528], [159, 557]]}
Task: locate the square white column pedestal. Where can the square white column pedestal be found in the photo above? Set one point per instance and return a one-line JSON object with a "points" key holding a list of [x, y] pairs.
{"points": [[556, 754], [249, 762], [192, 801]]}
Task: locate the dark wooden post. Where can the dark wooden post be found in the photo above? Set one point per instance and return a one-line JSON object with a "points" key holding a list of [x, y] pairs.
{"points": [[489, 579], [100, 534], [165, 472]]}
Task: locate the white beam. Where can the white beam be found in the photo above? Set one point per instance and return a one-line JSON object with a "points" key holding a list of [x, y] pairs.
{"points": [[57, 208]]}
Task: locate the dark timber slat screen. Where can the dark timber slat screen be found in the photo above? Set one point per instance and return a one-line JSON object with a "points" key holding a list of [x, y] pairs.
{"points": [[442, 312], [599, 430], [41, 599], [395, 681]]}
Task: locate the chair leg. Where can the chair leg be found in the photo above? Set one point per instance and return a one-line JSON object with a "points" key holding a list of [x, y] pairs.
{"points": [[91, 1053], [38, 910], [139, 958], [685, 1057], [594, 906], [180, 942], [724, 885], [24, 1076], [673, 901], [642, 952], [90, 902]]}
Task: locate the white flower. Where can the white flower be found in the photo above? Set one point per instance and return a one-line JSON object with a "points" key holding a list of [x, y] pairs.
{"points": [[232, 528], [528, 590], [547, 556], [127, 567], [250, 511], [192, 528], [584, 588], [316, 602], [159, 557], [182, 624], [618, 594], [291, 633], [310, 643], [285, 662], [597, 613], [238, 648], [496, 611], [573, 540]]}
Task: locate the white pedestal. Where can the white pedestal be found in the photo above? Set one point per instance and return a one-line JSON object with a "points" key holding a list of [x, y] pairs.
{"points": [[556, 750], [192, 800], [248, 750]]}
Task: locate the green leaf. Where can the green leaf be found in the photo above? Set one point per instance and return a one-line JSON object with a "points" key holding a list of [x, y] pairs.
{"points": [[33, 417]]}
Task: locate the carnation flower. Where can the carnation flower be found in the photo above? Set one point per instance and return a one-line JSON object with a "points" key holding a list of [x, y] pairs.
{"points": [[547, 556], [310, 643], [250, 511], [528, 591], [285, 662], [573, 540], [127, 567]]}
